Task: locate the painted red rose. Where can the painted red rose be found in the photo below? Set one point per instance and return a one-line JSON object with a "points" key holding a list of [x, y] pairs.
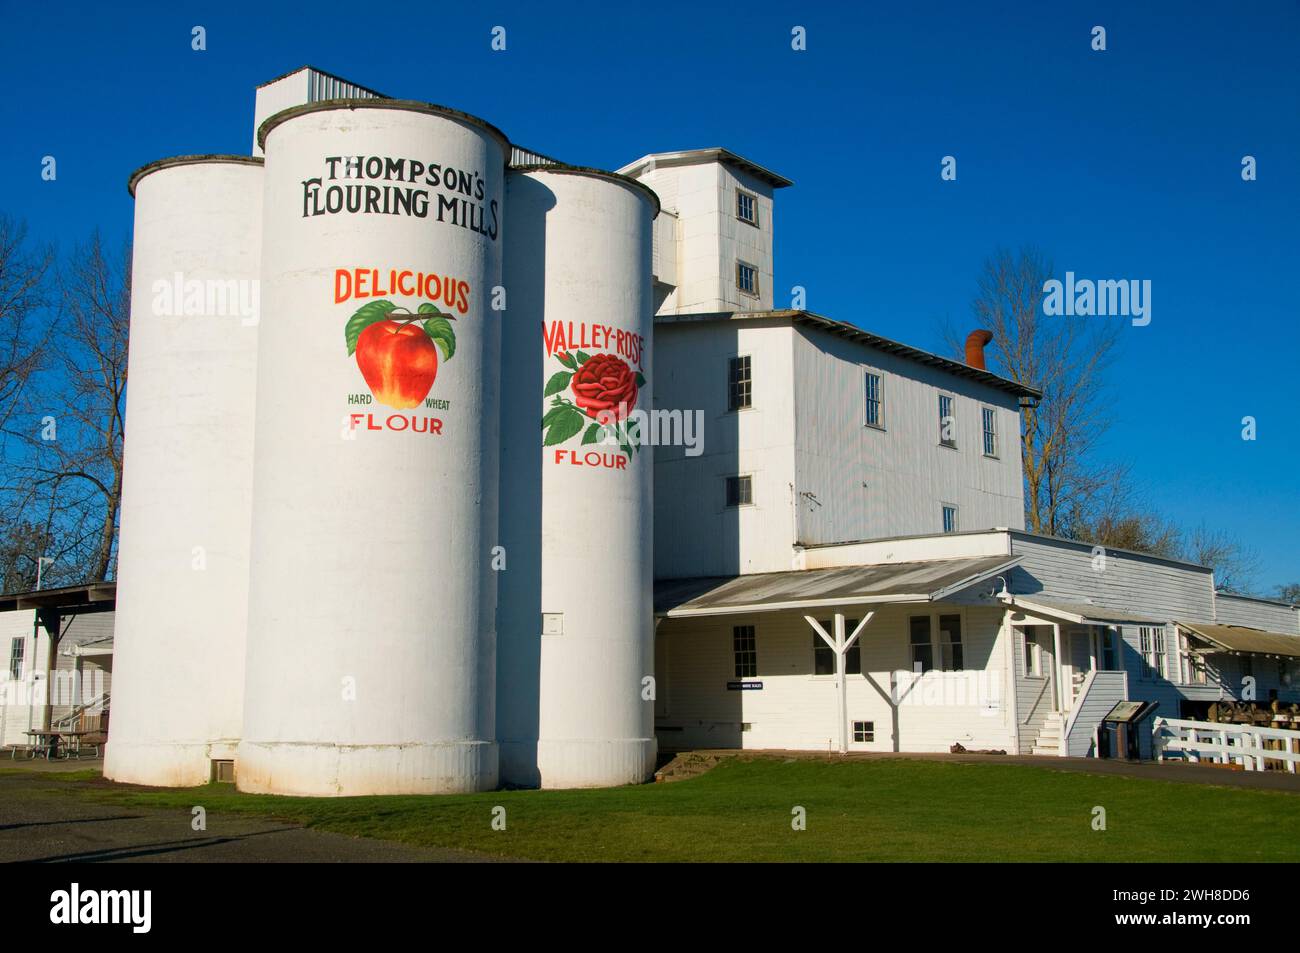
{"points": [[604, 382]]}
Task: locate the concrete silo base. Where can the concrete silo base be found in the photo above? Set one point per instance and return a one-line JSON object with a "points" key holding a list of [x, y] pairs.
{"points": [[164, 765], [596, 764], [313, 770]]}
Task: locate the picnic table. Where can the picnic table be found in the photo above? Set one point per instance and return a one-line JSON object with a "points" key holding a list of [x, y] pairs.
{"points": [[48, 742]]}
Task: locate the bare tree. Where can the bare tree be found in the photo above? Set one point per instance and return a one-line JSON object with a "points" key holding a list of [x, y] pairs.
{"points": [[23, 296], [72, 466], [1289, 593], [1066, 358], [1234, 565]]}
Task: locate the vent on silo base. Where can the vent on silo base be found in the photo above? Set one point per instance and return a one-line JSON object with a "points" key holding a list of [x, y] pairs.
{"points": [[223, 772]]}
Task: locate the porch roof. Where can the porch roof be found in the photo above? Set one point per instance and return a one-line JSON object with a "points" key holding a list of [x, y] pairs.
{"points": [[1081, 613], [922, 581], [1241, 640]]}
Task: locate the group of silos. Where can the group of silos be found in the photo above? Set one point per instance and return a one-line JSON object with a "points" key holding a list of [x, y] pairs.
{"points": [[390, 531]]}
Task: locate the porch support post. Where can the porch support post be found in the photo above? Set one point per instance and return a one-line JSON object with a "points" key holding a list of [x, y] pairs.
{"points": [[841, 643], [1057, 670]]}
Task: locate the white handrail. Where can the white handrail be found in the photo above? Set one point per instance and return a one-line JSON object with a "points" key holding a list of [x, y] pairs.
{"points": [[1228, 743]]}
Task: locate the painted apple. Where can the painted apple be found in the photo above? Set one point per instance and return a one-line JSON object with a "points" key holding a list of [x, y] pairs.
{"points": [[398, 361]]}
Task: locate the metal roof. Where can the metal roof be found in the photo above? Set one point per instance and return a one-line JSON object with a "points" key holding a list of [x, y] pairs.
{"points": [[1241, 640], [714, 154], [924, 581], [854, 333], [91, 596], [1081, 612]]}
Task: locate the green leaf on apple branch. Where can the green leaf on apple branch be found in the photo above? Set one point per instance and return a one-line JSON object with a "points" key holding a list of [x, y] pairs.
{"points": [[428, 308], [640, 380], [592, 434], [439, 329], [567, 360], [365, 316], [564, 426], [583, 357], [557, 383]]}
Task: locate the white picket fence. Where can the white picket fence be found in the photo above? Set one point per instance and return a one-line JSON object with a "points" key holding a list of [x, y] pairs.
{"points": [[1195, 741]]}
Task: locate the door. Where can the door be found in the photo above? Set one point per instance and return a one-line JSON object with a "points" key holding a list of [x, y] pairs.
{"points": [[1080, 661]]}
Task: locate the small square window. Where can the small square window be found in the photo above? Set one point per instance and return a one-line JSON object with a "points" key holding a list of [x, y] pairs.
{"points": [[747, 278], [864, 731], [740, 490], [746, 207], [740, 383]]}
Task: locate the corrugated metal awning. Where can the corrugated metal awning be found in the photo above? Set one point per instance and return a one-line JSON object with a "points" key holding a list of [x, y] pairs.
{"points": [[925, 581], [1081, 613], [1245, 641]]}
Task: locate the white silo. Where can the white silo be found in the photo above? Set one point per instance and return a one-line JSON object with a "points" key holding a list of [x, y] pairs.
{"points": [[576, 649], [183, 554], [371, 633]]}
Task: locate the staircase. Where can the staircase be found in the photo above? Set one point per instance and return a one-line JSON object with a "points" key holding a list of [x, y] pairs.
{"points": [[1051, 736]]}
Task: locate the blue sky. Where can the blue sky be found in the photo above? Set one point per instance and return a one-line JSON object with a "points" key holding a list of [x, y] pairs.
{"points": [[1121, 164]]}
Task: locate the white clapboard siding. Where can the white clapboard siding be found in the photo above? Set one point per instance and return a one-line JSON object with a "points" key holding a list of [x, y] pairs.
{"points": [[868, 482], [798, 710], [1103, 691], [1231, 609]]}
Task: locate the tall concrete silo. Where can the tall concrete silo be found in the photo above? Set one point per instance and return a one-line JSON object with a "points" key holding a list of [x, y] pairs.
{"points": [[183, 554], [371, 633], [576, 650]]}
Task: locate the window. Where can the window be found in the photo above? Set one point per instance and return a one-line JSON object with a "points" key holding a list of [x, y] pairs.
{"points": [[864, 731], [922, 650], [1151, 643], [990, 432], [740, 491], [1031, 651], [872, 395], [949, 518], [740, 383], [746, 207], [950, 659], [746, 649], [824, 655], [1193, 665], [1109, 651], [16, 648], [947, 423], [747, 278]]}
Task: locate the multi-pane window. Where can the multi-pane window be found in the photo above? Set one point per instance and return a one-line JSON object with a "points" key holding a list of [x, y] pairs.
{"points": [[1109, 651], [747, 278], [824, 655], [922, 649], [949, 518], [746, 207], [16, 649], [864, 731], [740, 383], [1193, 665], [740, 490], [1031, 651], [872, 395], [1151, 643], [950, 658], [744, 645], [947, 423], [990, 432]]}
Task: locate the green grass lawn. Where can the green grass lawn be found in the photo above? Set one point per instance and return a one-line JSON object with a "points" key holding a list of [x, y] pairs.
{"points": [[895, 810]]}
